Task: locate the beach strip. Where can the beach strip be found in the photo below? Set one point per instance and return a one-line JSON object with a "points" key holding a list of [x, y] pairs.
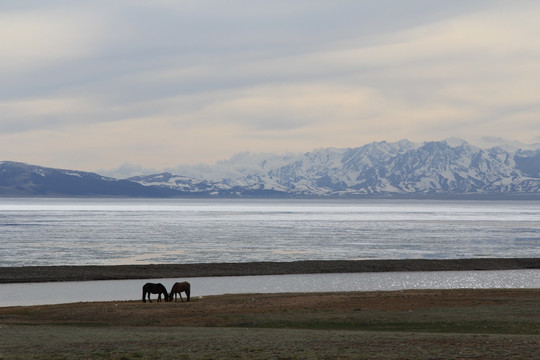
{"points": [[154, 271]]}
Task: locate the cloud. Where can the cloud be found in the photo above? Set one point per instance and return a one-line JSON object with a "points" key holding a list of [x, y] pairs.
{"points": [[42, 113], [35, 39], [185, 82], [443, 76], [284, 107]]}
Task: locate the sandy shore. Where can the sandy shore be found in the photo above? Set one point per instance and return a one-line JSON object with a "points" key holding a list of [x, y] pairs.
{"points": [[117, 272]]}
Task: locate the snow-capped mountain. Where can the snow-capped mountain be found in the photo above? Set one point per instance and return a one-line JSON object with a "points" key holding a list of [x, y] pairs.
{"points": [[182, 183], [449, 168]]}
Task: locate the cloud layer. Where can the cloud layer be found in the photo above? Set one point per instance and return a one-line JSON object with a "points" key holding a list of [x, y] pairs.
{"points": [[95, 84]]}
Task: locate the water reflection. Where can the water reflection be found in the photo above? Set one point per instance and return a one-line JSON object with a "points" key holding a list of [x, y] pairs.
{"points": [[118, 290]]}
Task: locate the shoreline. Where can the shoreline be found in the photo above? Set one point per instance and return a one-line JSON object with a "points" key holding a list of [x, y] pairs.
{"points": [[29, 274]]}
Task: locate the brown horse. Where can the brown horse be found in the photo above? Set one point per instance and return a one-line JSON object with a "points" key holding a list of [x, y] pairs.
{"points": [[178, 288]]}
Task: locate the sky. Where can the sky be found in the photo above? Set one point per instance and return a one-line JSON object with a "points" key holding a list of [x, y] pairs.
{"points": [[90, 85]]}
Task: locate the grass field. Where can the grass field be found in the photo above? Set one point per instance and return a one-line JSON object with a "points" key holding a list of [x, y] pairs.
{"points": [[416, 324]]}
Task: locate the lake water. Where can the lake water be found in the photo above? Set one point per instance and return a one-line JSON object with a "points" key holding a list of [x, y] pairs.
{"points": [[141, 231], [119, 290]]}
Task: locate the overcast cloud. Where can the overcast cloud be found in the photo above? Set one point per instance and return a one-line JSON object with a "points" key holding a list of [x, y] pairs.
{"points": [[94, 84]]}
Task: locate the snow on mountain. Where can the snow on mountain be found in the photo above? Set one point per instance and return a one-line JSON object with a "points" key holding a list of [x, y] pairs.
{"points": [[439, 167], [237, 167], [178, 182], [448, 168], [451, 166]]}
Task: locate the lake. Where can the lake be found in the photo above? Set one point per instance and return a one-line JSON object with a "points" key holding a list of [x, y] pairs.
{"points": [[120, 290], [161, 231]]}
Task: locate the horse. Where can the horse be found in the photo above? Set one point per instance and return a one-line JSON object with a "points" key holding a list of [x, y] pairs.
{"points": [[178, 288], [151, 288]]}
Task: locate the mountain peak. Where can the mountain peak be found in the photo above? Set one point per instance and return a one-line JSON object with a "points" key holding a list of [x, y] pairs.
{"points": [[449, 168]]}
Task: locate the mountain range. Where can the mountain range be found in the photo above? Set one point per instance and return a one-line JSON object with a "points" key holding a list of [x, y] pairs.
{"points": [[450, 168]]}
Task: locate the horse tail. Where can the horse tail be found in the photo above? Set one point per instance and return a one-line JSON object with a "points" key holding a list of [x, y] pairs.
{"points": [[143, 296], [188, 291]]}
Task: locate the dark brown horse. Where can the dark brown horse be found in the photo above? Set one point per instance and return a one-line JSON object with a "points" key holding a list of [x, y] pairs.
{"points": [[151, 288], [178, 288]]}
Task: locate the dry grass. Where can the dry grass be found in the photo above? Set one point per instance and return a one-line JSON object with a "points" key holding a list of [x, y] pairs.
{"points": [[420, 324]]}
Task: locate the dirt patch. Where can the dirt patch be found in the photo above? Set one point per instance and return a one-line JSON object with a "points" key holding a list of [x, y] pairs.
{"points": [[229, 310]]}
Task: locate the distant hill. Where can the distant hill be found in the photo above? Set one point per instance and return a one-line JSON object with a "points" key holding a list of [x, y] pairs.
{"points": [[450, 169], [18, 179]]}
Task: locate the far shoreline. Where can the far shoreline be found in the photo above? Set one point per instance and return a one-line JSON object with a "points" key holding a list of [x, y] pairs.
{"points": [[29, 274]]}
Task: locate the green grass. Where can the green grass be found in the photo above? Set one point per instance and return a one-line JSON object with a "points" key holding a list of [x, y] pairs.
{"points": [[460, 320], [52, 342]]}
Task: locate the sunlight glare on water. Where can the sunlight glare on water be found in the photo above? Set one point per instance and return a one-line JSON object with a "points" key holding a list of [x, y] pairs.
{"points": [[118, 290]]}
